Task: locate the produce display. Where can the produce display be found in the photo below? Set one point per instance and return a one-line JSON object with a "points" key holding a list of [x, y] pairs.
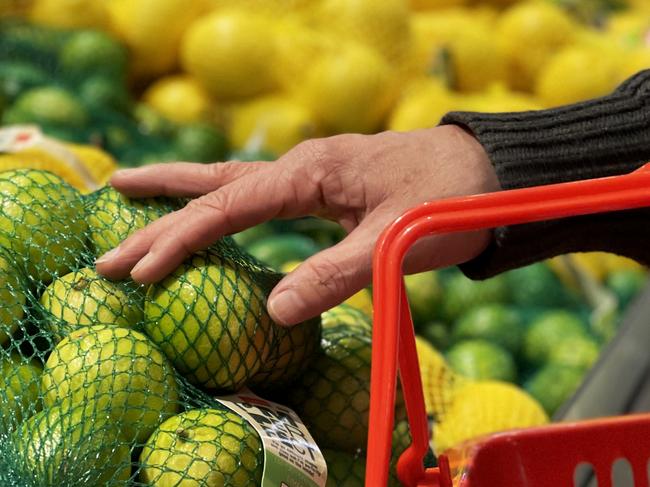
{"points": [[111, 383]]}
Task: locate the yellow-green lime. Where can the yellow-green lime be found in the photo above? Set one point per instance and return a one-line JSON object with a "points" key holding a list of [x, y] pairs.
{"points": [[209, 317], [84, 297], [118, 368], [12, 296], [203, 447], [20, 380], [42, 222]]}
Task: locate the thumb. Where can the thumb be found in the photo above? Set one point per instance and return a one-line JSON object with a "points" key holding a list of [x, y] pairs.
{"points": [[324, 280]]}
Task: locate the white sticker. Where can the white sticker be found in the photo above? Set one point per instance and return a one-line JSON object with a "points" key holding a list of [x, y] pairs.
{"points": [[291, 456]]}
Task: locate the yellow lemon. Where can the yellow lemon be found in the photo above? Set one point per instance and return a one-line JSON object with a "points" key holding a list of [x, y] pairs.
{"points": [[230, 53], [630, 26], [500, 99], [633, 62], [152, 29], [439, 382], [481, 408], [576, 73], [351, 90], [434, 4], [70, 13], [529, 34], [179, 98], [383, 25], [275, 123], [423, 104]]}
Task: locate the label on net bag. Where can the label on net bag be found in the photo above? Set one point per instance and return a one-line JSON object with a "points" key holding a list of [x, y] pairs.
{"points": [[291, 456]]}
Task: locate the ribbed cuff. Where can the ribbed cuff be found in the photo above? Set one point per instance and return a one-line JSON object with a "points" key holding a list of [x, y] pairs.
{"points": [[602, 137]]}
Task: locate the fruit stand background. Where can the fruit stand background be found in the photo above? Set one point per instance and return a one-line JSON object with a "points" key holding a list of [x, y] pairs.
{"points": [[134, 82]]}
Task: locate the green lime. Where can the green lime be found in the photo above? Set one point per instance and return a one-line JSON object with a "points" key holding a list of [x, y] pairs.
{"points": [[48, 106], [150, 122], [18, 77], [91, 52], [627, 284], [436, 333], [252, 155], [103, 93], [462, 294], [554, 384], [425, 295], [246, 237], [482, 360], [276, 250], [20, 380], [576, 351], [199, 142], [536, 285], [547, 332], [496, 323]]}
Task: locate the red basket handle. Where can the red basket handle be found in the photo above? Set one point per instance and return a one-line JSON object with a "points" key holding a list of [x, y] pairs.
{"points": [[392, 316]]}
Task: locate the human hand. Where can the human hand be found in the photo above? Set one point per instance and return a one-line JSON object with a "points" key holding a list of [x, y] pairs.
{"points": [[363, 182]]}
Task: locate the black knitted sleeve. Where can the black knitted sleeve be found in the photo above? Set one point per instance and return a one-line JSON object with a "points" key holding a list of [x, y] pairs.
{"points": [[601, 137]]}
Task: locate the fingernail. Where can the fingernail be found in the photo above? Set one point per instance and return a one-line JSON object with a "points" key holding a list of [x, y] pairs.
{"points": [[110, 255], [142, 264], [283, 305]]}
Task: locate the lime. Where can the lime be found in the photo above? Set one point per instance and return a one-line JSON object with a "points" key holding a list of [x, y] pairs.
{"points": [[49, 106], [462, 294], [344, 469], [347, 315], [554, 384], [479, 359], [436, 333], [626, 284], [277, 250], [84, 297], [12, 294], [425, 295], [73, 446], [17, 77], [496, 323], [103, 93], [246, 237], [43, 223], [200, 142], [203, 447], [577, 351], [112, 217], [121, 370], [536, 285], [247, 155], [150, 122], [547, 332], [209, 317], [20, 380], [92, 52]]}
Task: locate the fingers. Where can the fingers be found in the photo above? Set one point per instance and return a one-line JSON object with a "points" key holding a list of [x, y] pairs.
{"points": [[184, 179], [247, 201], [326, 279]]}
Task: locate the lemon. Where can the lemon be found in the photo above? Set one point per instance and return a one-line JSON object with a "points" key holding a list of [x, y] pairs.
{"points": [[480, 408], [574, 74], [85, 298], [209, 318], [120, 369], [433, 4], [179, 98], [203, 447], [460, 44], [350, 91], [230, 53], [152, 29], [438, 380], [616, 263], [346, 315], [634, 62], [529, 33], [497, 99], [383, 26], [630, 26], [274, 123], [70, 13], [99, 164], [422, 105]]}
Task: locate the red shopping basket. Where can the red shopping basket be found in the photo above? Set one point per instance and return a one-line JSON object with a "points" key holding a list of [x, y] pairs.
{"points": [[537, 457]]}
